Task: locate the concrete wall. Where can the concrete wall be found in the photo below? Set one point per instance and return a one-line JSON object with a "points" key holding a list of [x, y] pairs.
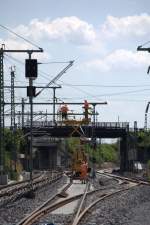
{"points": [[47, 158]]}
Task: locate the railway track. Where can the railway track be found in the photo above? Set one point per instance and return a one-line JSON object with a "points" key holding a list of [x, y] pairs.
{"points": [[16, 190], [132, 182], [44, 207], [84, 210], [136, 180], [5, 187], [49, 207], [100, 194]]}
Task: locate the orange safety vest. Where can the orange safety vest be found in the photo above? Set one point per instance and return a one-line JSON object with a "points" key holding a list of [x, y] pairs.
{"points": [[86, 104], [84, 170], [64, 109]]}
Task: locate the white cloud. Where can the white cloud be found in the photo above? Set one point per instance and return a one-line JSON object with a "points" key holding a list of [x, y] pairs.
{"points": [[67, 29], [119, 59], [130, 26], [81, 33]]}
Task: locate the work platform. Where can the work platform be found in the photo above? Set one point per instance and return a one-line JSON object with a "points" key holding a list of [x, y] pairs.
{"points": [[61, 129]]}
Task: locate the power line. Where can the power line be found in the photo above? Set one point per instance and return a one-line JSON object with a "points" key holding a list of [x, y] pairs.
{"points": [[76, 86], [145, 43], [125, 92], [105, 86], [18, 35], [13, 58], [90, 85], [112, 94]]}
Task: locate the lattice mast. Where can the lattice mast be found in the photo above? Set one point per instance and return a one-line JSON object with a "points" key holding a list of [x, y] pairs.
{"points": [[1, 111]]}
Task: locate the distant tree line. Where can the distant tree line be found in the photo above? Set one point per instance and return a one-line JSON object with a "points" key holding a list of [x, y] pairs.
{"points": [[100, 153]]}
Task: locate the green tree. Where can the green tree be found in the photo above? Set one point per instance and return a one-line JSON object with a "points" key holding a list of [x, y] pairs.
{"points": [[72, 144], [13, 141], [143, 139]]}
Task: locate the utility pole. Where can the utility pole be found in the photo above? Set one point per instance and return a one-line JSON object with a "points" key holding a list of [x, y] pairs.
{"points": [[54, 101], [146, 114], [1, 111], [2, 51], [54, 96], [31, 73], [140, 48], [46, 116], [22, 112], [93, 141], [31, 128], [19, 119], [94, 115], [12, 98], [13, 127]]}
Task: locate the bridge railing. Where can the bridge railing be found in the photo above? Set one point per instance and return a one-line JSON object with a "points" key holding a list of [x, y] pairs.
{"points": [[111, 124], [114, 125], [40, 124]]}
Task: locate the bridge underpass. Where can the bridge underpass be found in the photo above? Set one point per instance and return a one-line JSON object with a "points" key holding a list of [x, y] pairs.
{"points": [[47, 153], [96, 130]]}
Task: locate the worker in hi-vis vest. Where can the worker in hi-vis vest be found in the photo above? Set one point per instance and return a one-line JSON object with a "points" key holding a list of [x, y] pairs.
{"points": [[64, 111]]}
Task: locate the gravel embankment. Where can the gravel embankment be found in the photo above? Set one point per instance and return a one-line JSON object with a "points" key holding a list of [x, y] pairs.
{"points": [[15, 211], [129, 208]]}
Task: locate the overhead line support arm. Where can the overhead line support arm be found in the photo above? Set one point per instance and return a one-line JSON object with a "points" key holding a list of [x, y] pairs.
{"points": [[58, 103], [57, 77], [140, 48]]}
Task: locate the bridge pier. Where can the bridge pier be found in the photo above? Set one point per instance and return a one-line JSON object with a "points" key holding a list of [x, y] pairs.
{"points": [[124, 154]]}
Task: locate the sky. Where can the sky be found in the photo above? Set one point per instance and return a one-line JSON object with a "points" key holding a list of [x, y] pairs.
{"points": [[101, 36]]}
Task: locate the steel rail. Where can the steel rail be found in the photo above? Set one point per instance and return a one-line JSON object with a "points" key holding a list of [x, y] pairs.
{"points": [[6, 191], [24, 189], [120, 181], [23, 221], [38, 213], [126, 178], [81, 204], [134, 182], [43, 210], [80, 209], [86, 210], [5, 187]]}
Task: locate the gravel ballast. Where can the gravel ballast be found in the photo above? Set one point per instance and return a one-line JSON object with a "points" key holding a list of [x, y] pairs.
{"points": [[15, 211], [128, 208], [100, 181], [131, 207]]}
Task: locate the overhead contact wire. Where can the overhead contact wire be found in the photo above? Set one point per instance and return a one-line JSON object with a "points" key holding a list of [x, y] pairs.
{"points": [[18, 35]]}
